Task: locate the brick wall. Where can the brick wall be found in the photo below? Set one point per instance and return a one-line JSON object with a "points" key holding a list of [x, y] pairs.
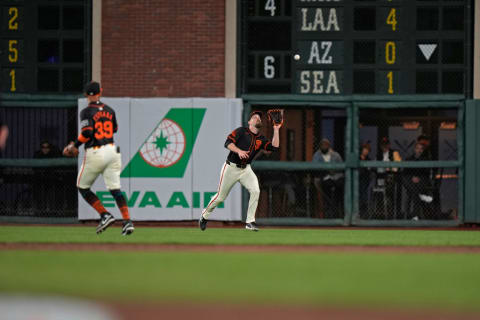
{"points": [[167, 48]]}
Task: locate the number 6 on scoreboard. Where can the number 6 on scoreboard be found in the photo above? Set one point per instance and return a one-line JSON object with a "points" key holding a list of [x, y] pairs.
{"points": [[268, 67]]}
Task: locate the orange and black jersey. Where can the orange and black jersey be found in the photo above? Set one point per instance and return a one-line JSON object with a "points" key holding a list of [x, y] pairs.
{"points": [[246, 140], [97, 124]]}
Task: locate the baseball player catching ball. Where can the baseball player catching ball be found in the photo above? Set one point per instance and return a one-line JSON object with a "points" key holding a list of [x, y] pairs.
{"points": [[244, 143], [98, 124]]}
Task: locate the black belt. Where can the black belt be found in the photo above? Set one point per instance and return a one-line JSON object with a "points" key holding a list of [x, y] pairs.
{"points": [[241, 166], [103, 145]]}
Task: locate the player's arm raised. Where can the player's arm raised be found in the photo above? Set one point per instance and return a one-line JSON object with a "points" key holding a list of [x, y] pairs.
{"points": [[276, 136], [276, 118]]}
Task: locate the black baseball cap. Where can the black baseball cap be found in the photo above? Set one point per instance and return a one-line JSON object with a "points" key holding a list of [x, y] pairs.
{"points": [[92, 88], [260, 114]]}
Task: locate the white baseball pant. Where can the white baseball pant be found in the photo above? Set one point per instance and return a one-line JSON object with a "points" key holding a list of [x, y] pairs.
{"points": [[104, 160], [229, 176]]}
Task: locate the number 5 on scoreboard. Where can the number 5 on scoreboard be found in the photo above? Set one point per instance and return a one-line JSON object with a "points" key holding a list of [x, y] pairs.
{"points": [[12, 51]]}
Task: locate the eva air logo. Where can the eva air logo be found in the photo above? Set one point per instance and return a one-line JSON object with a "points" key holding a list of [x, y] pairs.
{"points": [[167, 150], [165, 146]]}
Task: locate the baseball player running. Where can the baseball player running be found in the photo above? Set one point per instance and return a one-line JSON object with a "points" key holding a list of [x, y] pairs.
{"points": [[98, 124], [244, 143]]}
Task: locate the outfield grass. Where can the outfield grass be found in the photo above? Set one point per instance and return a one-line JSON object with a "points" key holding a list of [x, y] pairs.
{"points": [[406, 280], [239, 236], [446, 281]]}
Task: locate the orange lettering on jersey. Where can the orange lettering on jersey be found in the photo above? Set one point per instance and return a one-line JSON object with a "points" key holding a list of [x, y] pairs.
{"points": [[258, 143], [102, 114]]}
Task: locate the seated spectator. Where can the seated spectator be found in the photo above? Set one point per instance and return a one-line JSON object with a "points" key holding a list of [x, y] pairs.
{"points": [[47, 150], [330, 182], [425, 141]]}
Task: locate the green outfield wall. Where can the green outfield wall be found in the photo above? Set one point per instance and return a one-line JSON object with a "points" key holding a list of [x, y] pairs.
{"points": [[472, 161], [465, 165]]}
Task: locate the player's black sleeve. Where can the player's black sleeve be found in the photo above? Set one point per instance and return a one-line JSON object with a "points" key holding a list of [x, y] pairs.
{"points": [[86, 128], [267, 145], [86, 124], [234, 136]]}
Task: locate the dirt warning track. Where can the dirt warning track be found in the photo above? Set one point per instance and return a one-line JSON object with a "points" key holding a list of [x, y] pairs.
{"points": [[237, 248]]}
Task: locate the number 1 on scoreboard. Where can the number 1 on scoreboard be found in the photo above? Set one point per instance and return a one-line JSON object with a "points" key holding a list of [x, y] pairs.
{"points": [[390, 82], [13, 88]]}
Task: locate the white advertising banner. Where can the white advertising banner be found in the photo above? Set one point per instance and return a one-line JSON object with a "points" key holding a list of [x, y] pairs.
{"points": [[172, 153]]}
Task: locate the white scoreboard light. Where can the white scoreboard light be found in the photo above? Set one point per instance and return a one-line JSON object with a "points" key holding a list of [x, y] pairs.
{"points": [[337, 47]]}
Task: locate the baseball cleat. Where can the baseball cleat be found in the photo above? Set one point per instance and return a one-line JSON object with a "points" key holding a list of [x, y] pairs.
{"points": [[251, 226], [106, 220], [127, 228], [202, 223]]}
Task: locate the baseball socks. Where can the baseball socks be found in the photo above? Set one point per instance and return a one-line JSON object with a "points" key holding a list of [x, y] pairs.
{"points": [[128, 227], [92, 200], [121, 203]]}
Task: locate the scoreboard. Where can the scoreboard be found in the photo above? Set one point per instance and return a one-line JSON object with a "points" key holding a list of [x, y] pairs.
{"points": [[339, 47], [44, 45]]}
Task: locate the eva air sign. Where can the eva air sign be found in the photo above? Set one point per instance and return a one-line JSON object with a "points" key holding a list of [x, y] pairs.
{"points": [[165, 153], [172, 152], [167, 150]]}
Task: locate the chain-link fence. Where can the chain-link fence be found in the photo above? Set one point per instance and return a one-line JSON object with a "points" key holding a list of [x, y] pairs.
{"points": [[35, 181], [408, 194], [38, 188], [408, 166], [317, 194], [411, 135]]}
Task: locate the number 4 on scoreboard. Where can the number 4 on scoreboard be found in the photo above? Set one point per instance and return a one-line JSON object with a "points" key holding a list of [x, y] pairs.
{"points": [[270, 6], [392, 19]]}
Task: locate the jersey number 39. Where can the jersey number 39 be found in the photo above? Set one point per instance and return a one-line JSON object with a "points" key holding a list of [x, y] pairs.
{"points": [[103, 130]]}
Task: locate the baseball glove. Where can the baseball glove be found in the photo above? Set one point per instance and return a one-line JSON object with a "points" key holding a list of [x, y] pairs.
{"points": [[70, 150], [275, 116]]}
